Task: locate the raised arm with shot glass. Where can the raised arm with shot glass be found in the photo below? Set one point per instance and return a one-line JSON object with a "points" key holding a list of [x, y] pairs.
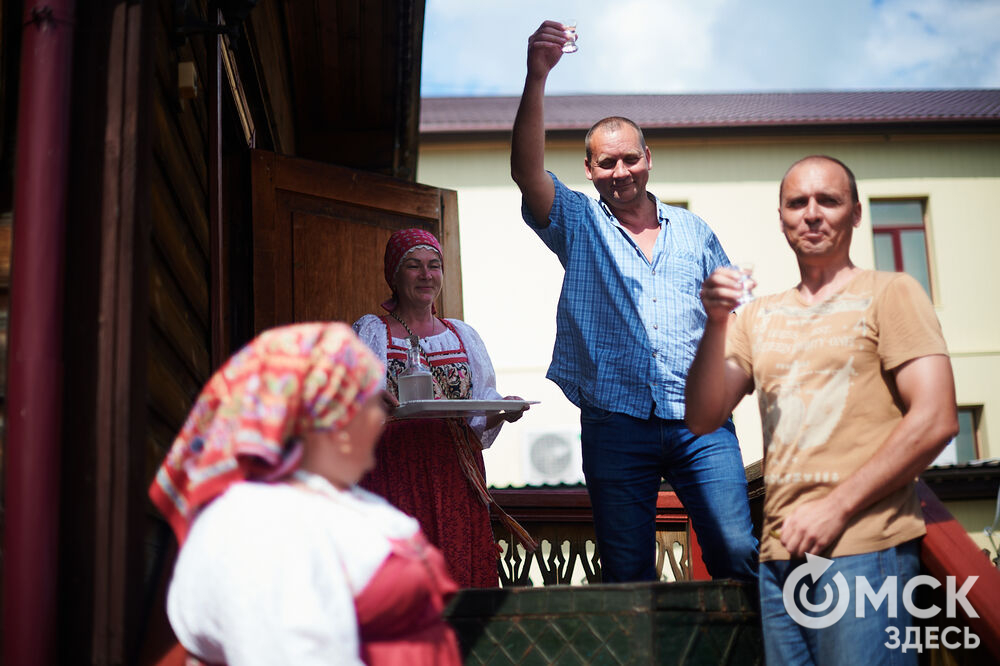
{"points": [[627, 324]]}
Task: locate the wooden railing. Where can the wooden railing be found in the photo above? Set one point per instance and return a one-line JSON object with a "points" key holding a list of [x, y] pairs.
{"points": [[562, 516], [947, 550], [561, 520]]}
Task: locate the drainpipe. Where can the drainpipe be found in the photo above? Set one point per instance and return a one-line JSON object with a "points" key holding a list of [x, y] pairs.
{"points": [[34, 367]]}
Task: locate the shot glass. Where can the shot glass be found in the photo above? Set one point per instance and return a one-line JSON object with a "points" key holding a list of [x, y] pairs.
{"points": [[569, 29], [745, 269]]}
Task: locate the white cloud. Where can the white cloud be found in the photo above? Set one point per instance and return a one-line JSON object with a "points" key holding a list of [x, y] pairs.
{"points": [[787, 45], [930, 43], [473, 48], [652, 46], [639, 46]]}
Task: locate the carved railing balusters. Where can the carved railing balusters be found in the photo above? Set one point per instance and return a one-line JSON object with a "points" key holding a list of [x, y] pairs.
{"points": [[565, 550], [560, 520]]}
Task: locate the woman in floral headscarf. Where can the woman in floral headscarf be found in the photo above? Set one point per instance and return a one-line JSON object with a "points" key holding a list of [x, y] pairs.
{"points": [[433, 468], [283, 559]]}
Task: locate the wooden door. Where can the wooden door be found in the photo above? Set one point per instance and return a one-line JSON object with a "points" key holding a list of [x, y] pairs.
{"points": [[319, 235]]}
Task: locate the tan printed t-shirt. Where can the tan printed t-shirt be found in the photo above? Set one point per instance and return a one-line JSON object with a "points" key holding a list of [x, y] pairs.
{"points": [[828, 399]]}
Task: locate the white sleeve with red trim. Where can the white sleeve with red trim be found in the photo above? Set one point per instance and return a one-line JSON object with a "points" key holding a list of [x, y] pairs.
{"points": [[269, 572]]}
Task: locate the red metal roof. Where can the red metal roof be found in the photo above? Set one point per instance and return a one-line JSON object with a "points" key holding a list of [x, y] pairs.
{"points": [[442, 115]]}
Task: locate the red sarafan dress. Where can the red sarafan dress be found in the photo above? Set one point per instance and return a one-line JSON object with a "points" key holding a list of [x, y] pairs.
{"points": [[399, 611], [419, 469], [286, 574]]}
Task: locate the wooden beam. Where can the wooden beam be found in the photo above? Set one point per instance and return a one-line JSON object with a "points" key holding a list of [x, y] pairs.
{"points": [[218, 263], [270, 54], [947, 550], [120, 469], [407, 93], [451, 293]]}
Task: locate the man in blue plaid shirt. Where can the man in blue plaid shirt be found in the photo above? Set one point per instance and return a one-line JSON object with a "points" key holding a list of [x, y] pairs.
{"points": [[628, 324]]}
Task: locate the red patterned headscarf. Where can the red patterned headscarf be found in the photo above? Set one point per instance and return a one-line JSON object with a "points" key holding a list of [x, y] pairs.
{"points": [[248, 419], [401, 244]]}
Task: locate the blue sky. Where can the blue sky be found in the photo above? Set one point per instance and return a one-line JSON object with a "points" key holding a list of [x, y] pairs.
{"points": [[687, 46]]}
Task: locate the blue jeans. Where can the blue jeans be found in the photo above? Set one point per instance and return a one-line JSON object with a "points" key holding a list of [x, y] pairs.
{"points": [[850, 641], [624, 460]]}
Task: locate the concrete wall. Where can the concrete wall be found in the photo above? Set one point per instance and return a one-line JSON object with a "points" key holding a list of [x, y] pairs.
{"points": [[511, 281]]}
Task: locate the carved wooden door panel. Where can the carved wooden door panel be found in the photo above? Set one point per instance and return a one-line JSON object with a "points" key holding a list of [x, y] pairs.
{"points": [[319, 234]]}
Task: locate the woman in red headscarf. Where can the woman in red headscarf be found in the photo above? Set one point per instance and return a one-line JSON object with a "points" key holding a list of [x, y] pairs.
{"points": [[433, 469], [283, 559]]}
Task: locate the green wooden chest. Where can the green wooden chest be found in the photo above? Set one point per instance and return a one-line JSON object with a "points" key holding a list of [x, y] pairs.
{"points": [[689, 623]]}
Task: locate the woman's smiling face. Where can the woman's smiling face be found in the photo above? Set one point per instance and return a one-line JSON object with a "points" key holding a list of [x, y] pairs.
{"points": [[418, 280]]}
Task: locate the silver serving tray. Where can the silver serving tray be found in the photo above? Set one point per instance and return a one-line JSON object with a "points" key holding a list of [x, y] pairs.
{"points": [[437, 409]]}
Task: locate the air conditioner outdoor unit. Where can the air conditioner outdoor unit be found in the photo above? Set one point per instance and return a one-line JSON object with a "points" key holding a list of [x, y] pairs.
{"points": [[552, 457]]}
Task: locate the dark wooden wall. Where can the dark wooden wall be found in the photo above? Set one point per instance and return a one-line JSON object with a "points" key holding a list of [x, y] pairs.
{"points": [[179, 271], [356, 82], [10, 46], [200, 270], [159, 256], [178, 358]]}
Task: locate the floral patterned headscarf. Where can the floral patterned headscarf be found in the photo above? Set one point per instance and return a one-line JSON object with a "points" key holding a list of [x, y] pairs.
{"points": [[249, 418], [401, 244]]}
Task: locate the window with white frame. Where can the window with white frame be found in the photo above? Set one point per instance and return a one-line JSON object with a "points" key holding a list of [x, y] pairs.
{"points": [[900, 237], [965, 445]]}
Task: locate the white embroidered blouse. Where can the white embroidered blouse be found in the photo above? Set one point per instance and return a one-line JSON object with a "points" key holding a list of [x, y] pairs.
{"points": [[372, 331]]}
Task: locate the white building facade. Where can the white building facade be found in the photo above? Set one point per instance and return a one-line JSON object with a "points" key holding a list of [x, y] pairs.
{"points": [[928, 171]]}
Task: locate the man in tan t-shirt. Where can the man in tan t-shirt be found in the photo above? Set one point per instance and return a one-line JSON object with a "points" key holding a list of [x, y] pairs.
{"points": [[856, 398]]}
